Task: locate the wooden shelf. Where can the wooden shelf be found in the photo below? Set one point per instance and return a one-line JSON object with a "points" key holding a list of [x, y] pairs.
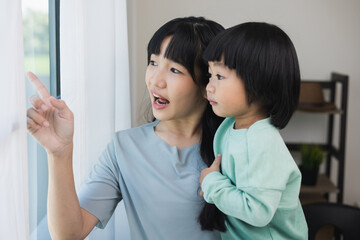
{"points": [[323, 186], [337, 87], [311, 194], [333, 111], [311, 198]]}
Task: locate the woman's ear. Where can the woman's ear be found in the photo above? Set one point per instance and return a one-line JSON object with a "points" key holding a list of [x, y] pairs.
{"points": [[203, 93]]}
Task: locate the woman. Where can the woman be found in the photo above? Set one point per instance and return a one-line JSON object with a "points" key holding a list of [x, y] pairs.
{"points": [[154, 168]]}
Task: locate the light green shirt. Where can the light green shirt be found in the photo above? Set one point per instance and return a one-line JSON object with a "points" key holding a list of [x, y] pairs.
{"points": [[259, 186]]}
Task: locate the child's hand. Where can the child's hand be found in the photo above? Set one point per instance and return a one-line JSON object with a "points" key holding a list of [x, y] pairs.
{"points": [[215, 166]]}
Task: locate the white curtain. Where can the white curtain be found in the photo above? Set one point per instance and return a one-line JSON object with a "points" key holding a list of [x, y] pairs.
{"points": [[95, 84], [14, 221]]}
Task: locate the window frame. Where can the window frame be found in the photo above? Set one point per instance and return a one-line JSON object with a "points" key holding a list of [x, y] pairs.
{"points": [[54, 47], [37, 157]]}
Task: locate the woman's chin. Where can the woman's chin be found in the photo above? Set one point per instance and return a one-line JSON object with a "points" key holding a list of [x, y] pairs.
{"points": [[159, 115]]}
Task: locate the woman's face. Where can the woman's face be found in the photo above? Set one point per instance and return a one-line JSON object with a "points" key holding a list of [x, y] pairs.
{"points": [[173, 93]]}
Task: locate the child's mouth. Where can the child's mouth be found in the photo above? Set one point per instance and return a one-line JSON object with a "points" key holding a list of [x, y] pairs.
{"points": [[212, 102]]}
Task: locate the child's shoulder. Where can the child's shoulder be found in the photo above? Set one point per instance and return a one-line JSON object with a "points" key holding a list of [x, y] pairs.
{"points": [[263, 125], [264, 139], [228, 123], [263, 130]]}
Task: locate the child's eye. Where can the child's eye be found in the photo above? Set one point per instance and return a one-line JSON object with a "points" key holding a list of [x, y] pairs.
{"points": [[219, 77], [153, 63], [208, 75], [174, 70]]}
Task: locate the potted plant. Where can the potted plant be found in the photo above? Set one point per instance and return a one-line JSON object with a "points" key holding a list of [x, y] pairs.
{"points": [[311, 158]]}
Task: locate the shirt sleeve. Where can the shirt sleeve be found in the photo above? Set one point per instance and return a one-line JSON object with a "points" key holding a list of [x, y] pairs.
{"points": [[100, 193], [267, 175], [253, 205]]}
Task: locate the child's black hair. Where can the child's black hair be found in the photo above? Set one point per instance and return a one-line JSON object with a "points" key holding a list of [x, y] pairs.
{"points": [[189, 38], [265, 59]]}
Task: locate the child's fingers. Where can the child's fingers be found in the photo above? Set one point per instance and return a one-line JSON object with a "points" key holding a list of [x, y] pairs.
{"points": [[217, 162], [37, 117]]}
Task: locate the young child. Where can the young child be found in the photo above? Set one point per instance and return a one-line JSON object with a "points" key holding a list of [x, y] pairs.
{"points": [[254, 83]]}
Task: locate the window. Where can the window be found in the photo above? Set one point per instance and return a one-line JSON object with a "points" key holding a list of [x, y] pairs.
{"points": [[41, 56]]}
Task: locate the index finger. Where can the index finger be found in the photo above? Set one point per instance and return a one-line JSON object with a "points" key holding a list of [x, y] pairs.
{"points": [[39, 87]]}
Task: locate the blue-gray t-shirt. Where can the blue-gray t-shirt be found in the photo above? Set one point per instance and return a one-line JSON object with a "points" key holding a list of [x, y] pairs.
{"points": [[158, 183]]}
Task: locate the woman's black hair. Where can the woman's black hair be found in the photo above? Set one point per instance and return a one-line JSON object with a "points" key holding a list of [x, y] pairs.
{"points": [[189, 38], [265, 59]]}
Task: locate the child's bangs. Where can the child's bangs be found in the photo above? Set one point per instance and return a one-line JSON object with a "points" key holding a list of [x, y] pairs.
{"points": [[222, 49], [214, 51]]}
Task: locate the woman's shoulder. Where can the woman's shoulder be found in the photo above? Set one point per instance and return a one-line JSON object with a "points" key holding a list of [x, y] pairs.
{"points": [[132, 138], [140, 132]]}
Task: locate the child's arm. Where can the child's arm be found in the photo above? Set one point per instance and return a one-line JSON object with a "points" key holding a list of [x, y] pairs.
{"points": [[254, 206], [262, 175]]}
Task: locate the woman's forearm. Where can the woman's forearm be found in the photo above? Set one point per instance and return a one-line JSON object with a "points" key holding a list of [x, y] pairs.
{"points": [[64, 212]]}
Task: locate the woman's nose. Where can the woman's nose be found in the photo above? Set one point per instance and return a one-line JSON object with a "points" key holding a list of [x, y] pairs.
{"points": [[159, 79]]}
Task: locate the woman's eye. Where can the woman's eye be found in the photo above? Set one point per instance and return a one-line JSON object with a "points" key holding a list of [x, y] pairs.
{"points": [[153, 63], [219, 77], [174, 70]]}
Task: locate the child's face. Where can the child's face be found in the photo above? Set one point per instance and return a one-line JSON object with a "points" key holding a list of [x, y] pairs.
{"points": [[226, 93], [173, 93]]}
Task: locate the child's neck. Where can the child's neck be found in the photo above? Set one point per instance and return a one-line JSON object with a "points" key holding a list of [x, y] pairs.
{"points": [[244, 122]]}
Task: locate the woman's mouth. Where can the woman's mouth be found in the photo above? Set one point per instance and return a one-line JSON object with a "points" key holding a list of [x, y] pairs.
{"points": [[159, 101]]}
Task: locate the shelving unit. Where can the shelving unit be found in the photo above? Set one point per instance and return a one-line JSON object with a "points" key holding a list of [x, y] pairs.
{"points": [[338, 87]]}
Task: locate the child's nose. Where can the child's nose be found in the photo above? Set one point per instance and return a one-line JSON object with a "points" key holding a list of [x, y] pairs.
{"points": [[209, 87]]}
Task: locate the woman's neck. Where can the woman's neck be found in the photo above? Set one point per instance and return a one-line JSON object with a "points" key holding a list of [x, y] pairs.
{"points": [[180, 133]]}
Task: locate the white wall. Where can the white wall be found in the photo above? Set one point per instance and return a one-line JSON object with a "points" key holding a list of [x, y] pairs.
{"points": [[325, 33]]}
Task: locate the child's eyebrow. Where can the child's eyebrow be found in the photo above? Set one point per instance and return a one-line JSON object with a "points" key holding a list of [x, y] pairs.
{"points": [[219, 64]]}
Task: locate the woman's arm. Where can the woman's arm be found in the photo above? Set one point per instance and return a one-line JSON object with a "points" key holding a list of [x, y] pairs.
{"points": [[65, 217], [51, 123]]}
